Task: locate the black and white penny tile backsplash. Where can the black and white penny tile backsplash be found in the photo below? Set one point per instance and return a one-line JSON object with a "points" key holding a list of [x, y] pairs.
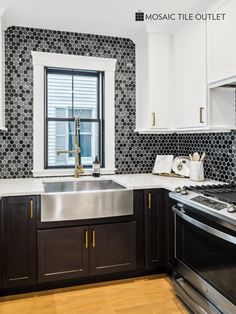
{"points": [[134, 153]]}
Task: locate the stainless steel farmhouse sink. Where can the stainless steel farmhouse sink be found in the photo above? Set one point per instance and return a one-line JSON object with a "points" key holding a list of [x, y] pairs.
{"points": [[73, 200], [73, 186]]}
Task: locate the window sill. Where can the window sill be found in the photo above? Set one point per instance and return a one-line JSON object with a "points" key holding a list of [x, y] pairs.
{"points": [[67, 172]]}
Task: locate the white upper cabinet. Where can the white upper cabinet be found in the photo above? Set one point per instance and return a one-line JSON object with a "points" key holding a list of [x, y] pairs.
{"points": [[172, 87], [159, 81], [2, 66], [154, 83], [222, 44], [190, 77]]}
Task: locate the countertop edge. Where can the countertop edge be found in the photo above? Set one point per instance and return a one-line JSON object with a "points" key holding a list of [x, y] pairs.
{"points": [[34, 186]]}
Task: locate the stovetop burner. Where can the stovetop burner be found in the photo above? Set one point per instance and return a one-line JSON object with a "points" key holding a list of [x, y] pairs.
{"points": [[220, 198], [223, 192]]}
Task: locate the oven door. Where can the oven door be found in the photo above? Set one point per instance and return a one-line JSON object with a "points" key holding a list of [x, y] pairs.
{"points": [[206, 255]]}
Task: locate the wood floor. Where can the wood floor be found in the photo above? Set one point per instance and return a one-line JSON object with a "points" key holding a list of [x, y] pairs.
{"points": [[146, 295]]}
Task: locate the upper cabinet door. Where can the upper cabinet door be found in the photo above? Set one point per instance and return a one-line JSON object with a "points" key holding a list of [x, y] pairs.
{"points": [[221, 43], [190, 76], [154, 63], [159, 80]]}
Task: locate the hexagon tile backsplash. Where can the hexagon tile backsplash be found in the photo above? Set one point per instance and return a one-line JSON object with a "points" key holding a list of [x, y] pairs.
{"points": [[134, 153]]}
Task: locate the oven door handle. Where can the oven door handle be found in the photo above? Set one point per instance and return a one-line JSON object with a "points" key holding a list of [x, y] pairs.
{"points": [[202, 226]]}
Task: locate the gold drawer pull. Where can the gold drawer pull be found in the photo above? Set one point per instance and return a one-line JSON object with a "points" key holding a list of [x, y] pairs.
{"points": [[93, 239], [153, 119], [31, 209], [201, 114], [149, 200], [86, 239]]}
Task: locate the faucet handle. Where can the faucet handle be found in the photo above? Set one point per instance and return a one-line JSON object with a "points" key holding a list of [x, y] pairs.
{"points": [[78, 171]]}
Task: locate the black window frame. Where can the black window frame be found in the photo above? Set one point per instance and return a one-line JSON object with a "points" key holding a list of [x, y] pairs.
{"points": [[100, 112]]}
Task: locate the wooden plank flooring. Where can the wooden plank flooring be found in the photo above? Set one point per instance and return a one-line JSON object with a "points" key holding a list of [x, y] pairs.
{"points": [[145, 295]]}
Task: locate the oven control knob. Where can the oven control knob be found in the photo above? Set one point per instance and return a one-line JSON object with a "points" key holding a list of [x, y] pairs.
{"points": [[178, 189], [231, 209], [184, 192]]}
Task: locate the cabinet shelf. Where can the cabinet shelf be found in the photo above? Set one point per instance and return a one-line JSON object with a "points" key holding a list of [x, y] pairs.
{"points": [[153, 131], [186, 130]]}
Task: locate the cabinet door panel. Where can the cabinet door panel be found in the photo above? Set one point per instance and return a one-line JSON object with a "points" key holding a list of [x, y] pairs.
{"points": [[221, 44], [19, 241], [190, 76], [159, 80], [153, 215], [169, 233], [113, 248], [139, 217], [63, 253]]}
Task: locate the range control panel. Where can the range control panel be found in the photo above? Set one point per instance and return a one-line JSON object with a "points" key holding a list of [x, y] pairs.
{"points": [[209, 202]]}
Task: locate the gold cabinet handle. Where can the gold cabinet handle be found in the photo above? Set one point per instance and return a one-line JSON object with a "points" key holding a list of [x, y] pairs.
{"points": [[31, 209], [86, 238], [201, 114], [93, 239], [149, 200], [153, 119]]}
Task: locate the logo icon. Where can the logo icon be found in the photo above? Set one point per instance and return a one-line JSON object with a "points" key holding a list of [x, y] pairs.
{"points": [[139, 16]]}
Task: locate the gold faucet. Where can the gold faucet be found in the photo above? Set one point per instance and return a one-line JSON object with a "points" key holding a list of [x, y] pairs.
{"points": [[76, 151]]}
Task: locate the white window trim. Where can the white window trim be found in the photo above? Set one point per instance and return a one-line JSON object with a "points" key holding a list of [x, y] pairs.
{"points": [[107, 65]]}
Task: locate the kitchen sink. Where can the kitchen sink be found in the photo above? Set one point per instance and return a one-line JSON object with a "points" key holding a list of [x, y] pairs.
{"points": [[76, 200], [74, 186]]}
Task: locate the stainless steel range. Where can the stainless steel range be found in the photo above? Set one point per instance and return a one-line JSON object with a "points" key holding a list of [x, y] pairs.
{"points": [[205, 247]]}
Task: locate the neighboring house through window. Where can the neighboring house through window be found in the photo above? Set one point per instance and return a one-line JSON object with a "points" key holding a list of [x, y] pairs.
{"points": [[70, 94], [67, 86]]}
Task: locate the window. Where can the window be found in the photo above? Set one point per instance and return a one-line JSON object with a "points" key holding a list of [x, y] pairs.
{"points": [[104, 68], [72, 93]]}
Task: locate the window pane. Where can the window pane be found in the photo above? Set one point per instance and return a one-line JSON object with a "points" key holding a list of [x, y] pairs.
{"points": [[59, 95], [86, 96], [56, 141], [61, 137], [86, 149], [85, 127], [83, 113], [79, 90]]}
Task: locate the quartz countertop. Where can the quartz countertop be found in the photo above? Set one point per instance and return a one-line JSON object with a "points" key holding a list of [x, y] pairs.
{"points": [[34, 186], [150, 181]]}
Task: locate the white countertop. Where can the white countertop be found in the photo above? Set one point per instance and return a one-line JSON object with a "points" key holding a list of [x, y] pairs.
{"points": [[34, 186], [150, 181]]}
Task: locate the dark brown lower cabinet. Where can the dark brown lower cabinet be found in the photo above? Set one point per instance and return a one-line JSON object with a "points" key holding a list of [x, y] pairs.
{"points": [[113, 248], [85, 251], [63, 253], [19, 241], [154, 232], [1, 244], [75, 252], [170, 259]]}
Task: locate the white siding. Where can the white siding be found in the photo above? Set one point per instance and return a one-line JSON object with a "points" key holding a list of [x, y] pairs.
{"points": [[60, 98]]}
